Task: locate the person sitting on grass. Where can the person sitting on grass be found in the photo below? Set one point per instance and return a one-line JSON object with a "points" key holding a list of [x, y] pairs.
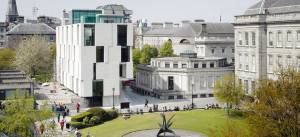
{"points": [[184, 108], [150, 110], [141, 111]]}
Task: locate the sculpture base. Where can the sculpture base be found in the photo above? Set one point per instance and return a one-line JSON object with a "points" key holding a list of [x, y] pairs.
{"points": [[153, 133]]}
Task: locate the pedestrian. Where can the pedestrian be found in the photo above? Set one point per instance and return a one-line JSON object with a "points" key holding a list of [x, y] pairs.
{"points": [[54, 103], [42, 128], [78, 107], [77, 133], [58, 117], [55, 108], [141, 111], [88, 135], [146, 103], [53, 122], [65, 106], [64, 115], [62, 123], [67, 110]]}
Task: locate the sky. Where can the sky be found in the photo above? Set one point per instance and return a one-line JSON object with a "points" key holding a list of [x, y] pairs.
{"points": [[152, 10]]}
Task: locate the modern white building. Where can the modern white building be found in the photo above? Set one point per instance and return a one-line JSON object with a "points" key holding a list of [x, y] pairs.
{"points": [[267, 39], [94, 55], [180, 77]]}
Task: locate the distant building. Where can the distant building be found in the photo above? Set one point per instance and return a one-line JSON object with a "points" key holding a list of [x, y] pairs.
{"points": [[94, 54], [204, 38], [11, 80], [2, 34], [180, 77], [267, 40]]}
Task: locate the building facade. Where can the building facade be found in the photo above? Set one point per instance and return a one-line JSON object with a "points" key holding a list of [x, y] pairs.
{"points": [[204, 38], [180, 77], [2, 34], [267, 39], [11, 80], [94, 55]]}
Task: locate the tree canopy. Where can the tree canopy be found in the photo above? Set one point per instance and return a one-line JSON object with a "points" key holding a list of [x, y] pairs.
{"points": [[227, 90], [53, 51], [7, 57], [33, 56], [166, 50], [147, 54]]}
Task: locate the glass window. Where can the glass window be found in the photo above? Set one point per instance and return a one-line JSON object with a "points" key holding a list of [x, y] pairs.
{"points": [[122, 35], [270, 63], [279, 39], [183, 65], [253, 63], [223, 50], [240, 39], [280, 62], [247, 38], [175, 65], [100, 54], [246, 62], [203, 65], [167, 65], [98, 92], [212, 64], [84, 16], [51, 38], [240, 61], [270, 39], [289, 61], [125, 54], [246, 85], [298, 39], [196, 65], [170, 83], [253, 38], [232, 50], [213, 51], [89, 35], [289, 39]]}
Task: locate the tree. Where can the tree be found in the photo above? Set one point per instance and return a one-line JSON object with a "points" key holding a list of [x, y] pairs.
{"points": [[166, 50], [7, 58], [275, 111], [20, 117], [136, 55], [147, 54], [226, 90], [53, 51], [33, 56]]}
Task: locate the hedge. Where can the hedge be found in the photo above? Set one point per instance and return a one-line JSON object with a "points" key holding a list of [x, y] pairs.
{"points": [[100, 112], [79, 125], [112, 114], [80, 117]]}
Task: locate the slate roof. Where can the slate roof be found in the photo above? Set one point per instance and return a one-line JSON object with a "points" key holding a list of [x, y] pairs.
{"points": [[26, 28], [160, 31], [275, 6]]}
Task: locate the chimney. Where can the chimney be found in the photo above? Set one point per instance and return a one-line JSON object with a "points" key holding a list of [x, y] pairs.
{"points": [[41, 19], [168, 25], [176, 25], [20, 19], [157, 25], [199, 20], [204, 31], [185, 22]]}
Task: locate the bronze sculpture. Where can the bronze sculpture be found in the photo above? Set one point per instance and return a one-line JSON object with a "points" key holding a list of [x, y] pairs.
{"points": [[166, 125]]}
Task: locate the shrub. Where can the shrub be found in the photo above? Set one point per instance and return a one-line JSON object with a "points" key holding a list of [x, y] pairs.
{"points": [[111, 114], [80, 117], [100, 112], [238, 113], [95, 120], [78, 125], [86, 120]]}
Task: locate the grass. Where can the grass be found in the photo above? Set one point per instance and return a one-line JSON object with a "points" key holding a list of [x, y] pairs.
{"points": [[196, 120]]}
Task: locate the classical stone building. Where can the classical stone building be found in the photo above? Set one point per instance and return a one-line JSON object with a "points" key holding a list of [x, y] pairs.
{"points": [[2, 34], [204, 38], [94, 54], [267, 39], [180, 77]]}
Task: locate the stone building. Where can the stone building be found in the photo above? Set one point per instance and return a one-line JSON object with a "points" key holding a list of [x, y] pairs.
{"points": [[94, 54], [11, 80], [180, 77], [267, 40], [204, 38], [2, 34]]}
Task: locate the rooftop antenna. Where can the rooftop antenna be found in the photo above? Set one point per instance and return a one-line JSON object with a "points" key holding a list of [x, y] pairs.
{"points": [[34, 11], [262, 9]]}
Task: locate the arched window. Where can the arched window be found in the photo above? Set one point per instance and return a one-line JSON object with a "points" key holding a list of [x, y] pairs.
{"points": [[184, 41]]}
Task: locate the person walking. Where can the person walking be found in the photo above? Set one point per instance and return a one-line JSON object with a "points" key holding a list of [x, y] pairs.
{"points": [[78, 107], [62, 123], [42, 128], [64, 115], [146, 103], [53, 122], [58, 117]]}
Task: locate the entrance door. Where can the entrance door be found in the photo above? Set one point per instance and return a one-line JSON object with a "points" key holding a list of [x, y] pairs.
{"points": [[170, 83]]}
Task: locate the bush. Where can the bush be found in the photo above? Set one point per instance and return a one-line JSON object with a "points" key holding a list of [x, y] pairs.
{"points": [[111, 114], [78, 125], [238, 113], [95, 120], [80, 117], [86, 120], [100, 112]]}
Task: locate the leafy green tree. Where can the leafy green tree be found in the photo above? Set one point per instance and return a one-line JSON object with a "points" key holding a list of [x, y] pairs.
{"points": [[226, 90], [166, 50], [155, 51], [275, 111], [136, 55], [7, 58], [33, 56], [147, 54], [20, 117], [53, 51]]}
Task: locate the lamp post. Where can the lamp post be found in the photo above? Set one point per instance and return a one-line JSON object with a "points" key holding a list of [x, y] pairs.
{"points": [[192, 96], [113, 89]]}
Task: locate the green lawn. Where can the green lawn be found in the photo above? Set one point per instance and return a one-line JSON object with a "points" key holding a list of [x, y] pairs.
{"points": [[196, 120]]}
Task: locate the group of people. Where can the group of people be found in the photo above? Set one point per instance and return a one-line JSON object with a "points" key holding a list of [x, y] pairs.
{"points": [[211, 106], [62, 124], [60, 107]]}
